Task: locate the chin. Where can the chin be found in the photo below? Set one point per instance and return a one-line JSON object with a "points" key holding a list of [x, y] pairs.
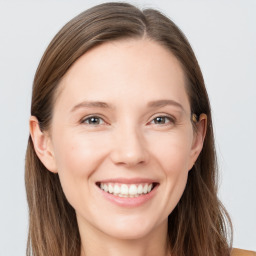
{"points": [[130, 229], [128, 233]]}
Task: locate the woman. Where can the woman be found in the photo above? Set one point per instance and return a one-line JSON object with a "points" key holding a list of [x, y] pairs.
{"points": [[121, 157]]}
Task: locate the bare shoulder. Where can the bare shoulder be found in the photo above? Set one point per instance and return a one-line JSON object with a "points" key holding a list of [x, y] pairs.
{"points": [[239, 252]]}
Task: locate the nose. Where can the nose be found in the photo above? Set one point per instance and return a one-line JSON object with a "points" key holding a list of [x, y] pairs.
{"points": [[129, 148]]}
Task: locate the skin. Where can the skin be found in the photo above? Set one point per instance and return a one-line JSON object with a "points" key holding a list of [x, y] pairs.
{"points": [[128, 142]]}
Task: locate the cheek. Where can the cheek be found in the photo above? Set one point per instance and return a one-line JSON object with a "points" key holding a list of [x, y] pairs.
{"points": [[78, 154], [175, 165], [172, 151], [172, 154], [77, 157]]}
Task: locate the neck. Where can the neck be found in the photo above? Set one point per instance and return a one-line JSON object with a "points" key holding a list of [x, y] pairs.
{"points": [[95, 243]]}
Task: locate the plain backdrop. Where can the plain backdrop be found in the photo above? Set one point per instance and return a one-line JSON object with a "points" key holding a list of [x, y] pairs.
{"points": [[223, 36]]}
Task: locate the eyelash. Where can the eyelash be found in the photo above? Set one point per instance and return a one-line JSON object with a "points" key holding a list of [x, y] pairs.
{"points": [[83, 121], [168, 117], [171, 120]]}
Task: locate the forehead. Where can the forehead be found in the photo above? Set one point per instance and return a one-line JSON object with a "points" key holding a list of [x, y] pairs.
{"points": [[125, 70]]}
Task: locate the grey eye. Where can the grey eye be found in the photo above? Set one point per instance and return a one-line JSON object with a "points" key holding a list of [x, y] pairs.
{"points": [[94, 120], [162, 120]]}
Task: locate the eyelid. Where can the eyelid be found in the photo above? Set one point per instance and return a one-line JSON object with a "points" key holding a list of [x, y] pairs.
{"points": [[82, 121], [164, 115], [170, 117]]}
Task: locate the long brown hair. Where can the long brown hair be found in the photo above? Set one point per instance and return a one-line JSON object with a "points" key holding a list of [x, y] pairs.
{"points": [[199, 225]]}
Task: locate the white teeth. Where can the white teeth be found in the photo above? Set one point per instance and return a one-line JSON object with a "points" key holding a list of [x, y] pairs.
{"points": [[150, 187], [126, 190], [140, 189], [105, 187], [133, 190], [145, 189], [116, 189], [110, 188]]}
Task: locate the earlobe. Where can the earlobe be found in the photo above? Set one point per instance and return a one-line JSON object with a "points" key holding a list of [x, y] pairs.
{"points": [[199, 136], [42, 145]]}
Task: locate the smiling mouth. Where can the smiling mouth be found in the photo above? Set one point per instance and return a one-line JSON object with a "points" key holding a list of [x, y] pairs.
{"points": [[127, 190]]}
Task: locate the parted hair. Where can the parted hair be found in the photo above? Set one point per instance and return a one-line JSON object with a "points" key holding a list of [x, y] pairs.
{"points": [[199, 225]]}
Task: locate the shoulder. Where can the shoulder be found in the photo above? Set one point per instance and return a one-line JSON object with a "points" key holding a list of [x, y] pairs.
{"points": [[239, 252]]}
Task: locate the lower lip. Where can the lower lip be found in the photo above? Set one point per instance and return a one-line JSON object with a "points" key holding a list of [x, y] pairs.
{"points": [[128, 201]]}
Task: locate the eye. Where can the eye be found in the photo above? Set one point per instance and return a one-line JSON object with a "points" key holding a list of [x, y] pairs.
{"points": [[93, 120], [163, 120]]}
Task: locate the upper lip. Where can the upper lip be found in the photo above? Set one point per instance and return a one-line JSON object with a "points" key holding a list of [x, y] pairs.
{"points": [[128, 180]]}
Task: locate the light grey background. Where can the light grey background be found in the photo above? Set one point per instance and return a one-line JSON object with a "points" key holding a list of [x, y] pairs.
{"points": [[223, 35]]}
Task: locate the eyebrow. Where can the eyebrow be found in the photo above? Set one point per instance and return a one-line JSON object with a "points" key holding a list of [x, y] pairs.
{"points": [[104, 105], [91, 104], [163, 103]]}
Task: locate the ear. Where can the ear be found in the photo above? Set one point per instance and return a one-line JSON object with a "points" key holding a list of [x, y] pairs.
{"points": [[198, 140], [42, 145]]}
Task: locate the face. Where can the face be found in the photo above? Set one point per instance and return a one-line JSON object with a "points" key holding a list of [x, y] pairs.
{"points": [[121, 138]]}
